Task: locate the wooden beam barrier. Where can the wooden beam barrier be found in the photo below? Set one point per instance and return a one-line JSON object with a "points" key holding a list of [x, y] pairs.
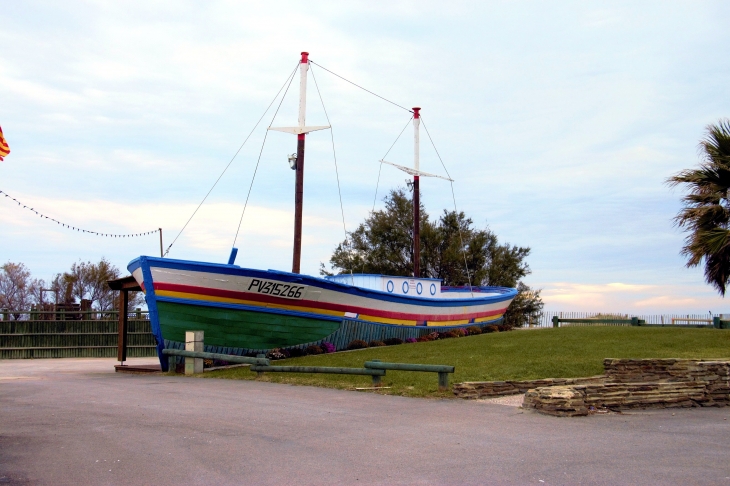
{"points": [[317, 369], [634, 321], [231, 358], [442, 370]]}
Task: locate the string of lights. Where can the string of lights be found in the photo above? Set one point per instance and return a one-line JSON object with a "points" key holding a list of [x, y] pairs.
{"points": [[74, 228]]}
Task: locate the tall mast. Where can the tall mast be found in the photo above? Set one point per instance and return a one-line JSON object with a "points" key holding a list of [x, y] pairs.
{"points": [[416, 195], [299, 185], [300, 131]]}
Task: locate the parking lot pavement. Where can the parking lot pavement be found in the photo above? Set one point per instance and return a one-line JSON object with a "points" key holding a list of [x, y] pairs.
{"points": [[75, 421]]}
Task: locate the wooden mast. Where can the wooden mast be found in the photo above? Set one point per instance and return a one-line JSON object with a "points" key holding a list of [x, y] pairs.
{"points": [[416, 172], [300, 131], [299, 184], [416, 196]]}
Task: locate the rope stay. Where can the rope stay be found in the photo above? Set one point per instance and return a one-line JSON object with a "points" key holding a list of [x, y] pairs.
{"points": [[453, 196], [364, 89], [286, 83], [98, 233], [261, 151], [337, 174]]}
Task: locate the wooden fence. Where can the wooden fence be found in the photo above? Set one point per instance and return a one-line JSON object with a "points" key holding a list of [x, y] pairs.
{"points": [[92, 336], [678, 320]]}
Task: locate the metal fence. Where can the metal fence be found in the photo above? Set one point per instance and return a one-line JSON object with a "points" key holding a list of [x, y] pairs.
{"points": [[81, 335], [679, 320]]}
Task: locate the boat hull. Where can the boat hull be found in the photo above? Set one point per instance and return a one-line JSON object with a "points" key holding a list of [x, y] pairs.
{"points": [[246, 310]]}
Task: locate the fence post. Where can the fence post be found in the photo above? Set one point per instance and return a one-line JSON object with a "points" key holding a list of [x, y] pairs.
{"points": [[635, 321], [443, 381], [556, 321], [716, 322], [193, 342], [260, 373], [376, 378]]}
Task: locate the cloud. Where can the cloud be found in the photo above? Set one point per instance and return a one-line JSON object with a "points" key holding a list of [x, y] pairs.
{"points": [[623, 297]]}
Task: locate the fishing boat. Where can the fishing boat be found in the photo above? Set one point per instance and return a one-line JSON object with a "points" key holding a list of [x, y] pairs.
{"points": [[245, 310]]}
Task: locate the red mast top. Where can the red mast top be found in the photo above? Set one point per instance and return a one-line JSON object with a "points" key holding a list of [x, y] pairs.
{"points": [[416, 110], [305, 58]]}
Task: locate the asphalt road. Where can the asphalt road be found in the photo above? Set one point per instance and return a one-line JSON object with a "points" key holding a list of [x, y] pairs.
{"points": [[77, 422]]}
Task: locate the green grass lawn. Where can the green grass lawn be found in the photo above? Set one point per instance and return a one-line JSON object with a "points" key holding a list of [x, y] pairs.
{"points": [[519, 355]]}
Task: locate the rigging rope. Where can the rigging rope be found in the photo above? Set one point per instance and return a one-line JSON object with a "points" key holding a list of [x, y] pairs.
{"points": [[258, 161], [337, 172], [453, 195], [108, 235], [291, 76], [377, 184], [364, 89]]}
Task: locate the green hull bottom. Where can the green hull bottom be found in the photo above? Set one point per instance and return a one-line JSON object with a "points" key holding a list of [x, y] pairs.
{"points": [[232, 328]]}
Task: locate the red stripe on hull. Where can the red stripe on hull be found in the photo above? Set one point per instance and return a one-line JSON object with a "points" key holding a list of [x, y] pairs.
{"points": [[230, 294]]}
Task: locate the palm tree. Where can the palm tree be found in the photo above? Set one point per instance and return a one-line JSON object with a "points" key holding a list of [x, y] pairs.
{"points": [[706, 212]]}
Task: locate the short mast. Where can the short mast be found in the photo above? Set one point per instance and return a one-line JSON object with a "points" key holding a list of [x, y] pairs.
{"points": [[300, 131], [416, 195], [416, 172]]}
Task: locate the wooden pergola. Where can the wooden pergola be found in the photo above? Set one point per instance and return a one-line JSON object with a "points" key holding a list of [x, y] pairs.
{"points": [[124, 285]]}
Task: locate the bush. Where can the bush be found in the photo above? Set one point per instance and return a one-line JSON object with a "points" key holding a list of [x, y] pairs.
{"points": [[275, 354], [357, 344], [327, 347], [459, 332], [426, 338], [411, 340], [313, 349], [491, 328], [376, 344], [474, 330], [296, 352], [393, 341]]}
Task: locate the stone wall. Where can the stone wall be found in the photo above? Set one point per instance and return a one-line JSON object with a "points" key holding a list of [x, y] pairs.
{"points": [[490, 389], [626, 384], [664, 370], [576, 400]]}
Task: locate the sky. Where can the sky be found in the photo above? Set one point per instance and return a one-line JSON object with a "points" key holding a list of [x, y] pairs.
{"points": [[559, 122]]}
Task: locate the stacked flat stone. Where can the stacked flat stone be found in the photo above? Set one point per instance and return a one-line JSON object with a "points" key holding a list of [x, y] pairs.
{"points": [[491, 389], [562, 401], [715, 374], [576, 400], [627, 384]]}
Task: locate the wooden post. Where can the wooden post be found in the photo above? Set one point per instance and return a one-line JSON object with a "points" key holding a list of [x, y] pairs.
{"points": [[376, 378], [556, 321], [193, 342], [259, 374], [161, 253], [443, 381], [122, 342]]}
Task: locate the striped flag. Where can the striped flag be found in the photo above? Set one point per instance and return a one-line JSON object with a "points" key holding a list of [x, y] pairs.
{"points": [[4, 149]]}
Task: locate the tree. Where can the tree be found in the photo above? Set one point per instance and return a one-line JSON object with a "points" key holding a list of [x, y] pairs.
{"points": [[88, 281], [451, 250], [526, 306], [18, 291], [706, 212]]}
